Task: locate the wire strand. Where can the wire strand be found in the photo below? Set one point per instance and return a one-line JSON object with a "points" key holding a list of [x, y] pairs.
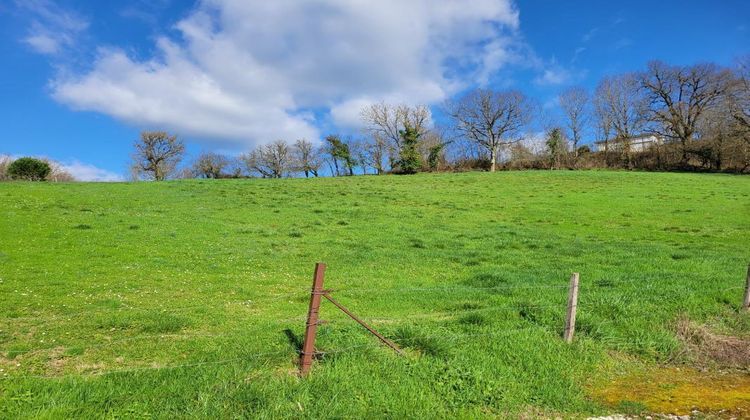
{"points": [[448, 289]]}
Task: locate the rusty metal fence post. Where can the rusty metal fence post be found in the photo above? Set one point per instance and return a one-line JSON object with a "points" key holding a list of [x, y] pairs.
{"points": [[570, 319], [308, 346]]}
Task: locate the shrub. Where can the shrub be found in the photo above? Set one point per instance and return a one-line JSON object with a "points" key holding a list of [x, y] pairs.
{"points": [[29, 169], [472, 164], [584, 150]]}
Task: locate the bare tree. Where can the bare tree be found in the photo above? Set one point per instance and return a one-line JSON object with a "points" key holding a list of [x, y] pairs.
{"points": [[574, 103], [740, 95], [603, 122], [491, 119], [624, 106], [5, 162], [737, 106], [376, 150], [678, 96], [620, 109], [57, 172], [210, 165], [717, 134], [271, 160], [307, 157], [387, 121], [157, 154], [359, 155]]}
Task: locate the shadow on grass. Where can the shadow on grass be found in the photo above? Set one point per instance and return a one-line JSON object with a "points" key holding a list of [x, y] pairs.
{"points": [[294, 340]]}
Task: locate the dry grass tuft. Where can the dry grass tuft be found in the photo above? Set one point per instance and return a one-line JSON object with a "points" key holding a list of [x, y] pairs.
{"points": [[711, 349]]}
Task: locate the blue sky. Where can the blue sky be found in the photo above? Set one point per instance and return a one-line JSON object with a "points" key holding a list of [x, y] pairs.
{"points": [[81, 78]]}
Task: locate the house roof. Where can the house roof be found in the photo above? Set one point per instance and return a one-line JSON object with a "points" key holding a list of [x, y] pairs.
{"points": [[636, 137]]}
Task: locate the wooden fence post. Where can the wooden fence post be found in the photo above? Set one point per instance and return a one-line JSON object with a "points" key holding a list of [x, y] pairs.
{"points": [[570, 320], [308, 347], [746, 303]]}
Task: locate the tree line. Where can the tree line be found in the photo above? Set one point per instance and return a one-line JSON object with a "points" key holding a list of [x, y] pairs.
{"points": [[399, 141], [694, 117]]}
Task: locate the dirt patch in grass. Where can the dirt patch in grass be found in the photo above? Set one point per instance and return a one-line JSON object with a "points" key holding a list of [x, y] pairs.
{"points": [[7, 365], [709, 349], [680, 391], [715, 381], [57, 361]]}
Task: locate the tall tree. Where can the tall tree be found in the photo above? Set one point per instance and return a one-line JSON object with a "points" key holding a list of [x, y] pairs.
{"points": [[410, 160], [620, 108], [740, 95], [432, 143], [603, 123], [376, 150], [491, 119], [5, 162], [210, 165], [387, 121], [271, 160], [679, 96], [157, 154], [359, 155], [307, 157], [718, 135], [574, 103], [436, 156], [340, 155], [557, 147]]}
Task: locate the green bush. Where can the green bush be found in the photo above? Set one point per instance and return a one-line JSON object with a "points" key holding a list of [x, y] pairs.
{"points": [[29, 169]]}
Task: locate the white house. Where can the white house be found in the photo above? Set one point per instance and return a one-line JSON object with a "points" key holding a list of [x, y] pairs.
{"points": [[639, 143]]}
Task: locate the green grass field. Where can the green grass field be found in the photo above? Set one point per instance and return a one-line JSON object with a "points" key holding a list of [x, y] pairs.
{"points": [[188, 298]]}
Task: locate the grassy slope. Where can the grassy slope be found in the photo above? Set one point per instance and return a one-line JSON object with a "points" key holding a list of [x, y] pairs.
{"points": [[108, 277]]}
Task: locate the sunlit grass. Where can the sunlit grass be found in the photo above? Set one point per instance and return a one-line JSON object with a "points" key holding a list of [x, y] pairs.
{"points": [[188, 298]]}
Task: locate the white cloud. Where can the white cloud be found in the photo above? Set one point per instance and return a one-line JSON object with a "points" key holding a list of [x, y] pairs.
{"points": [[52, 28], [249, 71], [553, 76], [86, 172], [43, 43]]}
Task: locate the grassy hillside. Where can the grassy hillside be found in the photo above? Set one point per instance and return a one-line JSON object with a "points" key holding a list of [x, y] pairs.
{"points": [[187, 298]]}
